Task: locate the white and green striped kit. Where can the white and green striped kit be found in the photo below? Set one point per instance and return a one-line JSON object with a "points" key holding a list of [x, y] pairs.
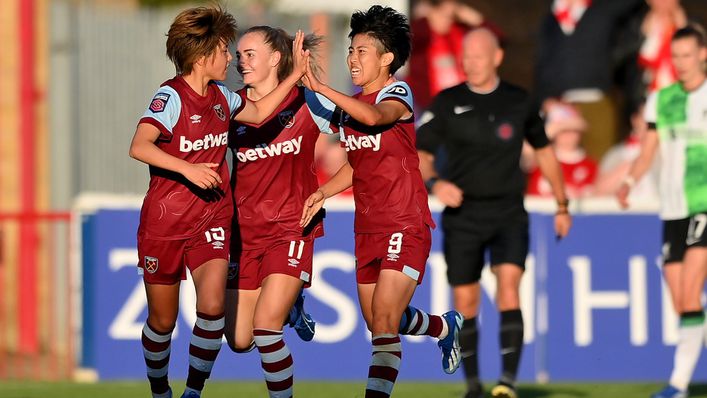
{"points": [[681, 121]]}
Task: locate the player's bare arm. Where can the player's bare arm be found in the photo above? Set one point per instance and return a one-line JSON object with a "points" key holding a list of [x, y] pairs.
{"points": [[257, 111], [550, 168], [649, 146], [383, 113], [143, 148], [339, 182]]}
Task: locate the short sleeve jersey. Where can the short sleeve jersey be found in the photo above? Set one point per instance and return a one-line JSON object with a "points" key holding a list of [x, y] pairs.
{"points": [[482, 135], [388, 190], [274, 168], [680, 119], [193, 128]]}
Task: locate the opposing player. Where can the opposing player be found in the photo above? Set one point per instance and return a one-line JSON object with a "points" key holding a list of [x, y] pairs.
{"points": [[271, 254], [186, 216], [392, 221], [677, 124]]}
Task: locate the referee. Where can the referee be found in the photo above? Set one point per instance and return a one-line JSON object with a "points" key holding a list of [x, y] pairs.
{"points": [[481, 124]]}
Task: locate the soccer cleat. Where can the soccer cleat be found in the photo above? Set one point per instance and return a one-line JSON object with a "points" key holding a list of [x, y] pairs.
{"points": [[451, 350], [301, 321], [191, 394], [670, 392], [503, 391]]}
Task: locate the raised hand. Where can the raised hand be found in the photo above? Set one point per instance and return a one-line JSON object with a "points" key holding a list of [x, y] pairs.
{"points": [[203, 175], [310, 80], [300, 57], [312, 206]]}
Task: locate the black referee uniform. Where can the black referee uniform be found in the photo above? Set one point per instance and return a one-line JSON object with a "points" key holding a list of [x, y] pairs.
{"points": [[482, 135]]}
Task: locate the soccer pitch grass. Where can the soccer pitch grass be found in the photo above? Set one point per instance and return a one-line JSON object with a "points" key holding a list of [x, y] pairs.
{"points": [[308, 389]]}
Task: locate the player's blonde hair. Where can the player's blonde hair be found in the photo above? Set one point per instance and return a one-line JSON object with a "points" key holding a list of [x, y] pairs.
{"points": [[197, 32], [279, 40]]}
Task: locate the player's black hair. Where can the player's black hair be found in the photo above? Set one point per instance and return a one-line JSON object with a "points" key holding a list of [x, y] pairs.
{"points": [[389, 27]]}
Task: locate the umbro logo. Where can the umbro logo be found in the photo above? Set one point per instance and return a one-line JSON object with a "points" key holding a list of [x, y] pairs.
{"points": [[240, 130], [393, 257], [195, 119], [458, 110], [292, 262]]}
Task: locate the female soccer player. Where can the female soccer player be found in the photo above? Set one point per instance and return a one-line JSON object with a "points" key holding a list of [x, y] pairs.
{"points": [[271, 254], [186, 215], [392, 222]]}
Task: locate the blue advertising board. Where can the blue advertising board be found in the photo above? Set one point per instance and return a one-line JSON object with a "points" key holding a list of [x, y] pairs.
{"points": [[594, 305]]}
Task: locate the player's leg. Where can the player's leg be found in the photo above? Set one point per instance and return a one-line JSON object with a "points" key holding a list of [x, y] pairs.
{"points": [[161, 263], [242, 291], [386, 350], [692, 316], [674, 248], [286, 269], [207, 259], [278, 294], [390, 297], [299, 256], [407, 253], [210, 284], [162, 309], [509, 248], [464, 254]]}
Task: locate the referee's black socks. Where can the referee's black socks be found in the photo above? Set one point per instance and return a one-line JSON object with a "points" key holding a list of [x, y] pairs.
{"points": [[469, 340], [511, 338]]}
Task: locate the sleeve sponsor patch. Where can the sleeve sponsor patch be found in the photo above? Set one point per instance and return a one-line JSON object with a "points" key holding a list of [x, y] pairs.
{"points": [[398, 90], [159, 103]]}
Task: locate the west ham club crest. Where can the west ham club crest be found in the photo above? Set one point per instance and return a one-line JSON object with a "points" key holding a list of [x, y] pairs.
{"points": [[151, 264], [286, 118], [219, 112]]}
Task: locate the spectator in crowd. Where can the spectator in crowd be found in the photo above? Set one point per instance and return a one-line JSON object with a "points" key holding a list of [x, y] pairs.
{"points": [[482, 123], [643, 52], [614, 166], [564, 126], [574, 62], [677, 124], [438, 27]]}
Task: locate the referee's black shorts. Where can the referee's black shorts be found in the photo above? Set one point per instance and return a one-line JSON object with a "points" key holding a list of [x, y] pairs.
{"points": [[478, 228]]}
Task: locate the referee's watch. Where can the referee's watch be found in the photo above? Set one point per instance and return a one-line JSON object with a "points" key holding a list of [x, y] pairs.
{"points": [[430, 183]]}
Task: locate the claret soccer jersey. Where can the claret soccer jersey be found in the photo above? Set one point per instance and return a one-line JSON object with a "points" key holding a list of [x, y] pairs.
{"points": [[274, 169], [388, 189], [193, 128]]}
